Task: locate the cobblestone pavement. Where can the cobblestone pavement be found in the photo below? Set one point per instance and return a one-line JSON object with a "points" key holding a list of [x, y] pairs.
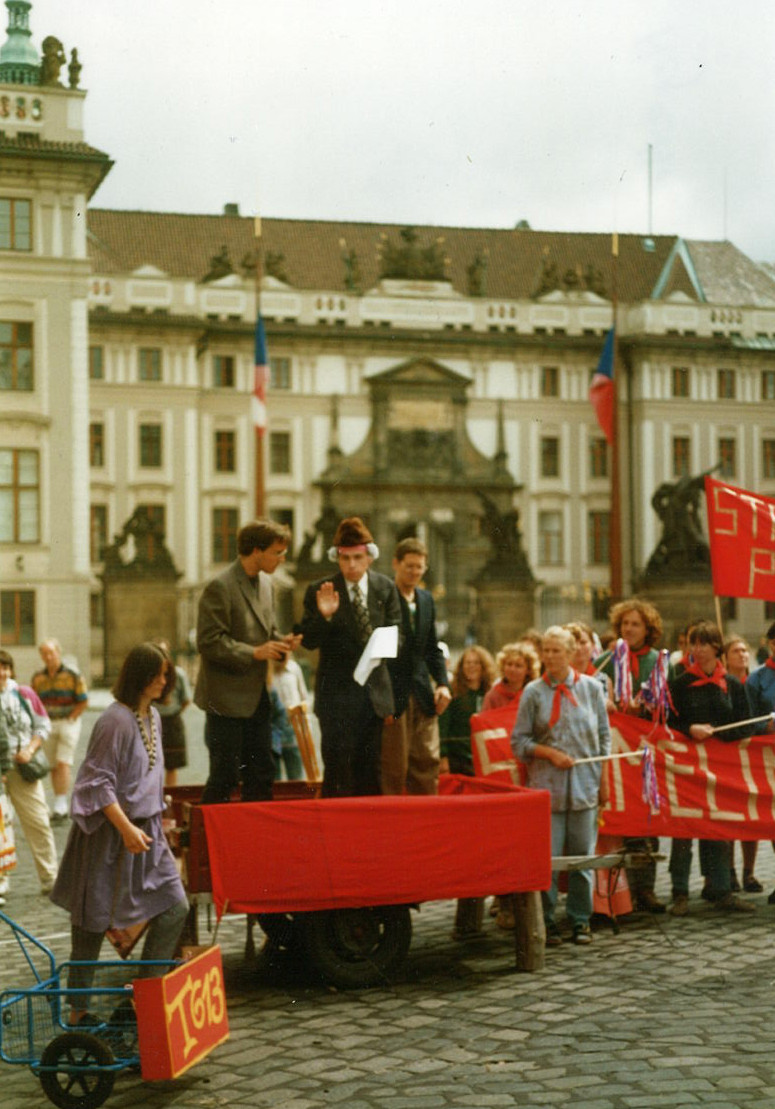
{"points": [[668, 1012]]}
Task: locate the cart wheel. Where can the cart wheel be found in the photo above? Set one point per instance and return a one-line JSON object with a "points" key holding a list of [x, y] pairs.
{"points": [[281, 929], [356, 948], [73, 1082]]}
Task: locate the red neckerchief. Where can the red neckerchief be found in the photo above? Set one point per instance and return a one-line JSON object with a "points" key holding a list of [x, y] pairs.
{"points": [[771, 663], [716, 678], [635, 657], [560, 691], [590, 670]]}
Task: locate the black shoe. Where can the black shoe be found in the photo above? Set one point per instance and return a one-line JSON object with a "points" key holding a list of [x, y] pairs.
{"points": [[648, 902], [553, 936], [771, 898], [751, 884]]}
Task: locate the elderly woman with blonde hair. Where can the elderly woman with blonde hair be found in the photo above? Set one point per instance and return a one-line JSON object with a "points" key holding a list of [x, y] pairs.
{"points": [[562, 718]]}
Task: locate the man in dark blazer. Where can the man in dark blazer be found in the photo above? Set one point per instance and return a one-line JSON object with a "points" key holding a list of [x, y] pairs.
{"points": [[340, 613], [236, 634], [410, 742]]}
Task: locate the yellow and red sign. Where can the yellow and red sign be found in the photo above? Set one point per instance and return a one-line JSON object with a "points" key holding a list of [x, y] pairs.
{"points": [[181, 1016]]}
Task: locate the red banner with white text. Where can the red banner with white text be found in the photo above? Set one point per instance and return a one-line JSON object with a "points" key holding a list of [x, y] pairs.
{"points": [[709, 790], [741, 528]]}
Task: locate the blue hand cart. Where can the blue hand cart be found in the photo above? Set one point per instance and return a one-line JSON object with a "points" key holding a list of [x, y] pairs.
{"points": [[76, 1064]]}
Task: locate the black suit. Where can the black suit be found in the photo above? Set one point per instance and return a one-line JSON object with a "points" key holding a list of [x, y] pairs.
{"points": [[419, 658], [410, 746], [350, 715]]}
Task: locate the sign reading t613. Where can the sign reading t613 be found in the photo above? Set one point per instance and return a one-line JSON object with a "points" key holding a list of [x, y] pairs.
{"points": [[181, 1016]]}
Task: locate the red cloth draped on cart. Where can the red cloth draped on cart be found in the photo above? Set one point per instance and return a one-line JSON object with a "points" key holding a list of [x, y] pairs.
{"points": [[349, 852]]}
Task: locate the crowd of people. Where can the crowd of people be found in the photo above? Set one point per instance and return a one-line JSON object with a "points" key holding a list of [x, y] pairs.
{"points": [[392, 729]]}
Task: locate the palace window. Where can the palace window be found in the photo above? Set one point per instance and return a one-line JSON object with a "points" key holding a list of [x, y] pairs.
{"points": [[98, 531], [550, 381], [680, 381], [15, 224], [96, 363], [225, 452], [768, 384], [768, 458], [150, 445], [681, 456], [279, 373], [279, 452], [223, 371], [96, 445], [225, 528], [550, 538], [16, 356], [727, 455], [17, 618], [598, 457], [599, 537], [19, 496], [727, 384], [550, 457], [149, 364]]}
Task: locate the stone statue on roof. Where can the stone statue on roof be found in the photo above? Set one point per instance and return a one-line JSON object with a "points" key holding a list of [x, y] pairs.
{"points": [[74, 69], [53, 60], [410, 261], [220, 265], [477, 275]]}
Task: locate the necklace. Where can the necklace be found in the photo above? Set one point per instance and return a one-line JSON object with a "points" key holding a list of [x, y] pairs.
{"points": [[149, 741]]}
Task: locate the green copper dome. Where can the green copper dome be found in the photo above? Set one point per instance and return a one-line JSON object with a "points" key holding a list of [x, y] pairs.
{"points": [[19, 60]]}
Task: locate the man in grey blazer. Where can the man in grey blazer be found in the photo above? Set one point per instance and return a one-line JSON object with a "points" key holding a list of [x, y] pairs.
{"points": [[236, 634]]}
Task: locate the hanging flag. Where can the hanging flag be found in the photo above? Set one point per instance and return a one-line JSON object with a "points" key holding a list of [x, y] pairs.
{"points": [[261, 379], [601, 391], [741, 528]]}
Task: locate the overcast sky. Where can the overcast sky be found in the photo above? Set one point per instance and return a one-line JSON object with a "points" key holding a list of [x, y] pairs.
{"points": [[436, 111]]}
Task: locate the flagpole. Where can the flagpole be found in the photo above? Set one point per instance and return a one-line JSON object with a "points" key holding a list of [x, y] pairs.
{"points": [[260, 483], [616, 517]]}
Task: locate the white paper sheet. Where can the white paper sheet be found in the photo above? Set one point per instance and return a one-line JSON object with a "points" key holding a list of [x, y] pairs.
{"points": [[383, 643]]}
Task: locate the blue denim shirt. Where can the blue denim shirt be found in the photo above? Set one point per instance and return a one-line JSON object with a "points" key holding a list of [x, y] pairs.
{"points": [[582, 730]]}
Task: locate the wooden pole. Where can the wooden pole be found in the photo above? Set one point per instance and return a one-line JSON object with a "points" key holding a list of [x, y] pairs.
{"points": [[616, 514], [258, 433], [717, 601]]}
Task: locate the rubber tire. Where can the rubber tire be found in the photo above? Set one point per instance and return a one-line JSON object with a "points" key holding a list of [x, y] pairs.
{"points": [[281, 929], [77, 1049], [358, 948]]}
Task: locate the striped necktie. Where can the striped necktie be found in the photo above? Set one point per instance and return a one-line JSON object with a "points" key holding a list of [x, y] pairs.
{"points": [[361, 614]]}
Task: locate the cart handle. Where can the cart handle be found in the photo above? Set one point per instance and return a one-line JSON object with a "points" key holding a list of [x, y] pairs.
{"points": [[20, 935]]}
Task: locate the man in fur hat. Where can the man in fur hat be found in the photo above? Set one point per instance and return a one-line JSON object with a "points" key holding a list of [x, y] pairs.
{"points": [[340, 613]]}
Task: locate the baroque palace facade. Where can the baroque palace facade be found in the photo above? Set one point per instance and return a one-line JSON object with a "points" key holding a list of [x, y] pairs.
{"points": [[431, 378]]}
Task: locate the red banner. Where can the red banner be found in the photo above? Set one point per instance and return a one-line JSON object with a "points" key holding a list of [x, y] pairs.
{"points": [[710, 790], [181, 1016], [741, 527], [491, 746]]}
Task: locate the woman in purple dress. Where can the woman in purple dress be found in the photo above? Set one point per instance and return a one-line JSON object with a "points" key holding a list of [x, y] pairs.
{"points": [[118, 870]]}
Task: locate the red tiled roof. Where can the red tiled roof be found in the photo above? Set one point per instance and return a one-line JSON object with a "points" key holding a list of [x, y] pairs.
{"points": [[312, 252]]}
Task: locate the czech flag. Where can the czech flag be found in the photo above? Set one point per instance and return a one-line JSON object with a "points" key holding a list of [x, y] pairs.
{"points": [[601, 391], [260, 380]]}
